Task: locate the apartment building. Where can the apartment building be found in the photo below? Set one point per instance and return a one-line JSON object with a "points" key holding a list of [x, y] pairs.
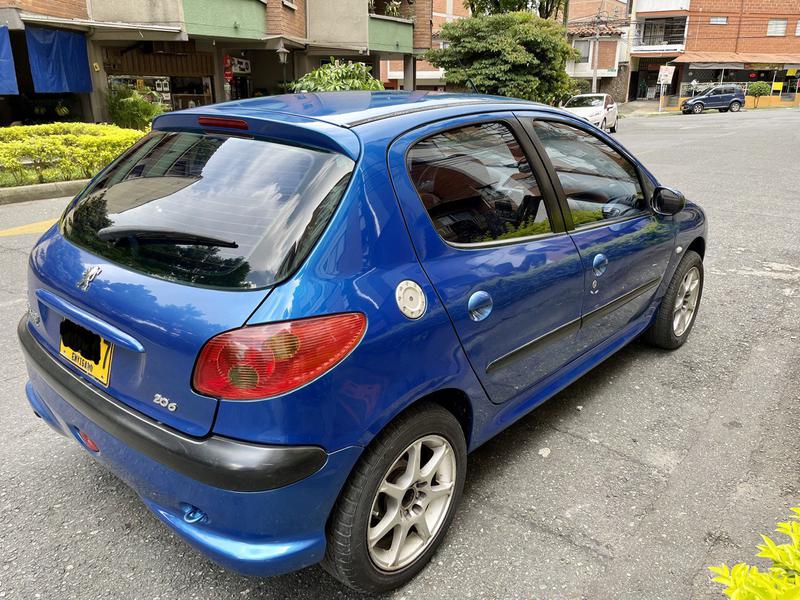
{"points": [[64, 54], [585, 10], [428, 77], [713, 41]]}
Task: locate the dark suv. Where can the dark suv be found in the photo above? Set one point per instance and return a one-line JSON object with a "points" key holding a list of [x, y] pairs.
{"points": [[723, 97]]}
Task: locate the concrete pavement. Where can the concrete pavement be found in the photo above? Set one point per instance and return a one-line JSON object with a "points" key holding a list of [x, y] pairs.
{"points": [[660, 463]]}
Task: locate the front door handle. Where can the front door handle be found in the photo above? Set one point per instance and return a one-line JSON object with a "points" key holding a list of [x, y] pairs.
{"points": [[600, 264]]}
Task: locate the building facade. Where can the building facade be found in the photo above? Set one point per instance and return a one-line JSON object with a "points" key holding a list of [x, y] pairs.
{"points": [[428, 77], [188, 52], [715, 41]]}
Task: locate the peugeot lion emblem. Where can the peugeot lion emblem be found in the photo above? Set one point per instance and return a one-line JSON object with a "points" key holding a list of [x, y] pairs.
{"points": [[89, 275]]}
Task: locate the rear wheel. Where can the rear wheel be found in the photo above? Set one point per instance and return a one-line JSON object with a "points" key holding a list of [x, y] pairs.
{"points": [[736, 106], [697, 108], [399, 501], [675, 317]]}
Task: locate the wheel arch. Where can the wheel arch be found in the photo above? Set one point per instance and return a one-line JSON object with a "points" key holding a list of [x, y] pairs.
{"points": [[698, 245]]}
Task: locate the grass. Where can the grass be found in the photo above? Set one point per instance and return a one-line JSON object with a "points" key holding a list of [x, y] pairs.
{"points": [[30, 177]]}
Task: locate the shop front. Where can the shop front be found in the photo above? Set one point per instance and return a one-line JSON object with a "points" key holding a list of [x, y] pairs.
{"points": [[174, 73], [44, 74], [644, 77]]}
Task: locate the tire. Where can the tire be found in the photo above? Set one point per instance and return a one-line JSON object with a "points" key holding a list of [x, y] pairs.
{"points": [[697, 108], [736, 106], [663, 332], [614, 126], [362, 507], [603, 125]]}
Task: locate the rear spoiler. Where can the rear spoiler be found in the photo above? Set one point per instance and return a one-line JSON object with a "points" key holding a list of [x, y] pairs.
{"points": [[263, 124]]}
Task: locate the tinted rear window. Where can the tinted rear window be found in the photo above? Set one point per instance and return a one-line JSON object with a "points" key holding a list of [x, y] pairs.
{"points": [[267, 203]]}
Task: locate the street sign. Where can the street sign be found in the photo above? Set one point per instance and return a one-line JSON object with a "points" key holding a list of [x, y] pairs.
{"points": [[665, 75]]}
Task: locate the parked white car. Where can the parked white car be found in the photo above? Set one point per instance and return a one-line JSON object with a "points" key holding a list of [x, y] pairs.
{"points": [[599, 109]]}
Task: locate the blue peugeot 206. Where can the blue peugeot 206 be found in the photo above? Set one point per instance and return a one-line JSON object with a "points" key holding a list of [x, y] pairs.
{"points": [[285, 321]]}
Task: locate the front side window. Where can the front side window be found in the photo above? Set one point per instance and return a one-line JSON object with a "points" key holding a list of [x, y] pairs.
{"points": [[477, 185], [210, 210], [599, 183]]}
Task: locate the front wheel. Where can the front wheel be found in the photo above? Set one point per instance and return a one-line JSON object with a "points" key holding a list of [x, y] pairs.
{"points": [[697, 109], [603, 125], [675, 317], [736, 106], [395, 509], [614, 126]]}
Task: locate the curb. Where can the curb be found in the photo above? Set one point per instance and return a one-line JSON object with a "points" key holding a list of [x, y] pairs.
{"points": [[41, 191]]}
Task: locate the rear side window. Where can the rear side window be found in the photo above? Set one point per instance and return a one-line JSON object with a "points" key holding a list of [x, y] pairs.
{"points": [[599, 183], [210, 210], [477, 185]]}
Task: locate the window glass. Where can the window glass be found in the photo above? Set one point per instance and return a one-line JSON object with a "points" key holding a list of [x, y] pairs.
{"points": [[210, 210], [776, 27], [599, 183], [583, 48], [477, 185], [584, 101]]}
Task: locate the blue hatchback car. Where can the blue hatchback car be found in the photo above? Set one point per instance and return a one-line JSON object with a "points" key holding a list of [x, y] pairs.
{"points": [[285, 321]]}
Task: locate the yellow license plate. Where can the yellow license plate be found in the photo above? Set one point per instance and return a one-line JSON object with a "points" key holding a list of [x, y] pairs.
{"points": [[99, 370]]}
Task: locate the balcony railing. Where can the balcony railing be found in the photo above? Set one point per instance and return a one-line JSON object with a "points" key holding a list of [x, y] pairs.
{"points": [[654, 35]]}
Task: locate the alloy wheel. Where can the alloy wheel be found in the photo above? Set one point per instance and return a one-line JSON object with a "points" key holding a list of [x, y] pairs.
{"points": [[411, 503], [686, 302]]}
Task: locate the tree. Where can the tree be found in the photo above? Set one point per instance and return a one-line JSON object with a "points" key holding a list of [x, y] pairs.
{"points": [[337, 76], [758, 89], [545, 8], [511, 54]]}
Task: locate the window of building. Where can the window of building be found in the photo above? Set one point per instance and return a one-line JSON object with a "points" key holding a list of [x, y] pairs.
{"points": [[477, 185], [718, 20], [582, 46], [599, 183], [776, 27]]}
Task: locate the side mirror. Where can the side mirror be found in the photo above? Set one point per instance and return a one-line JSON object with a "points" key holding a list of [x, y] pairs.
{"points": [[667, 201]]}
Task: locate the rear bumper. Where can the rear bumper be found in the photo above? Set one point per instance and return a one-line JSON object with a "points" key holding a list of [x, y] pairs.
{"points": [[263, 508]]}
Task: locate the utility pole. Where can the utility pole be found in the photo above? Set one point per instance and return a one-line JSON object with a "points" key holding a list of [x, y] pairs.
{"points": [[595, 51]]}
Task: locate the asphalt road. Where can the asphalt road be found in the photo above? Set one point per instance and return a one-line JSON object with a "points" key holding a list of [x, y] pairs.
{"points": [[660, 463]]}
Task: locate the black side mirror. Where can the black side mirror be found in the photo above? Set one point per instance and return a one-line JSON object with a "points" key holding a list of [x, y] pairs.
{"points": [[667, 201]]}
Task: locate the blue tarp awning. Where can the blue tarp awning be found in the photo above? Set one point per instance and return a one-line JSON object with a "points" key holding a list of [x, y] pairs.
{"points": [[8, 76], [59, 61]]}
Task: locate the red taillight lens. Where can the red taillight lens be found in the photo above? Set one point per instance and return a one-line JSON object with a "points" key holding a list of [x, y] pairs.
{"points": [[222, 122], [267, 360]]}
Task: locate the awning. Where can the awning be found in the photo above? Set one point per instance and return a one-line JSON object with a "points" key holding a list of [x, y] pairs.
{"points": [[8, 75], [747, 60], [59, 61]]}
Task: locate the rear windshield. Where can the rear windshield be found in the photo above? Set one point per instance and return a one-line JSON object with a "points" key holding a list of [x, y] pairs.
{"points": [[210, 210]]}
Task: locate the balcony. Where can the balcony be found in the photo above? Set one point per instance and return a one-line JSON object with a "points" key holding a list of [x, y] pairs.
{"points": [[392, 35], [659, 35]]}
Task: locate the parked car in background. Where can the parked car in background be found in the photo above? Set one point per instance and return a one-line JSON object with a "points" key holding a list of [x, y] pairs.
{"points": [[285, 321], [722, 97], [599, 109]]}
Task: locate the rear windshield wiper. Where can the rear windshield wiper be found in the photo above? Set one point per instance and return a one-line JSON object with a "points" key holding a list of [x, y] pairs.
{"points": [[161, 235]]}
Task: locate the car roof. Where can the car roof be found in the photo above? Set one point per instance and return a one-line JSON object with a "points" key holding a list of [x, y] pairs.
{"points": [[350, 109], [336, 120]]}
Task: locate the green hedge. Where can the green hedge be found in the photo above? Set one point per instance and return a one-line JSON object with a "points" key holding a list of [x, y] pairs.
{"points": [[59, 151]]}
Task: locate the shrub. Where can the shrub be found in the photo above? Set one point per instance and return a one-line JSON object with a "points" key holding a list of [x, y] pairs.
{"points": [[59, 151], [129, 108], [336, 76], [781, 581], [758, 89]]}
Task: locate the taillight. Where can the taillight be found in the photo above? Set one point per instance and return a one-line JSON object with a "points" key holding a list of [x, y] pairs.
{"points": [[267, 360]]}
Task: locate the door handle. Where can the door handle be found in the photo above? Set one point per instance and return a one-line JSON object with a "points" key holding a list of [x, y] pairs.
{"points": [[600, 264], [479, 305]]}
